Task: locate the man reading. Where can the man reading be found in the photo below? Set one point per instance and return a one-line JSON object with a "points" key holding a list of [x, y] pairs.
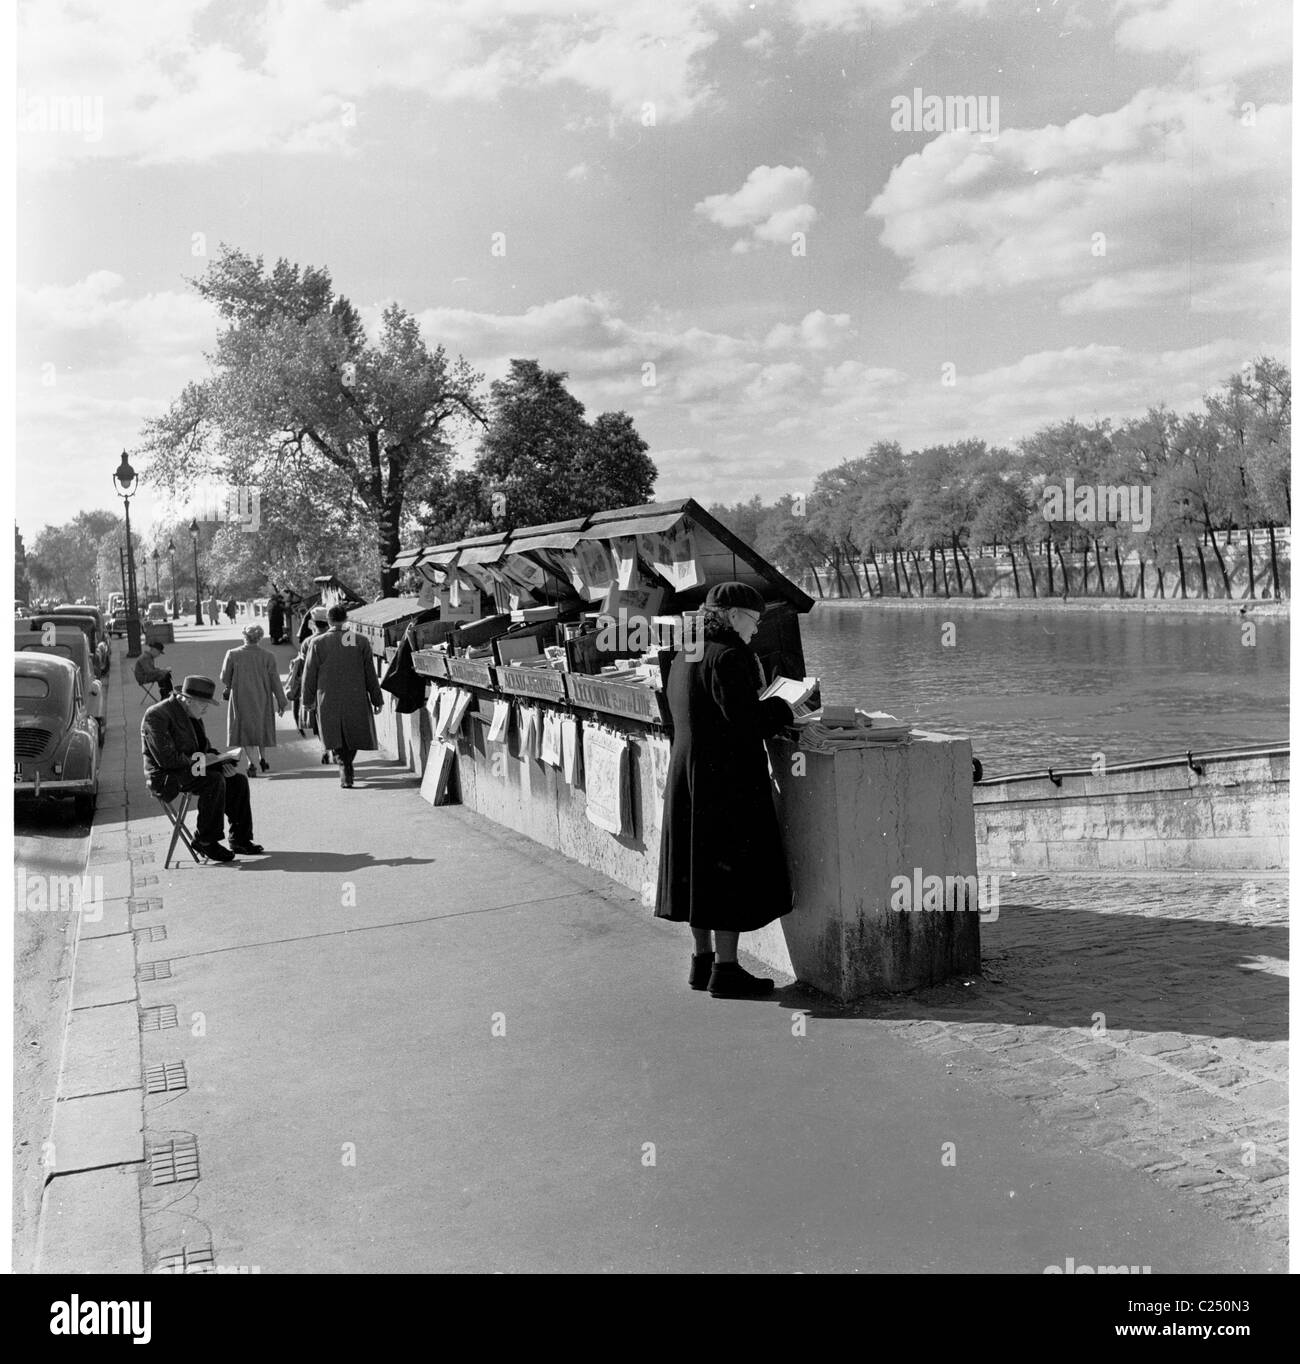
{"points": [[177, 758], [147, 670]]}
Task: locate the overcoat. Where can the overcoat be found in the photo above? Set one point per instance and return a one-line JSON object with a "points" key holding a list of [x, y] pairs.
{"points": [[721, 860], [339, 683], [169, 738], [253, 677]]}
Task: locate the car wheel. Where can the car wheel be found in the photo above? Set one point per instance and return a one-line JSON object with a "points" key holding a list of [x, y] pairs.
{"points": [[84, 806]]}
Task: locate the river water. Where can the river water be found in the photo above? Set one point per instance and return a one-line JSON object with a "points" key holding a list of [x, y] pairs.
{"points": [[1038, 688]]}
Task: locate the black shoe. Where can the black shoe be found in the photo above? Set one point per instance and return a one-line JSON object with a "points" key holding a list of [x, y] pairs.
{"points": [[730, 980], [325, 758], [265, 766], [701, 969], [345, 777], [241, 845], [214, 852], [252, 771]]}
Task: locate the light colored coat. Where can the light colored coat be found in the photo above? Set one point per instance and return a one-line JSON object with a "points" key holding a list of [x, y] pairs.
{"points": [[339, 682], [253, 677]]}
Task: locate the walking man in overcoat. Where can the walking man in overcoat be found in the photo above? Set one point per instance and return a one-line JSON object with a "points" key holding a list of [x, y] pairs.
{"points": [[340, 683]]}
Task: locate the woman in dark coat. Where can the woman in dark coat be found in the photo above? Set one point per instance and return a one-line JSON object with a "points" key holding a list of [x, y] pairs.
{"points": [[721, 861]]}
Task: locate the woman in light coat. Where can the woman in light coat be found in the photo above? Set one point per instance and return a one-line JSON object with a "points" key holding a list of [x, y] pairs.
{"points": [[253, 688]]}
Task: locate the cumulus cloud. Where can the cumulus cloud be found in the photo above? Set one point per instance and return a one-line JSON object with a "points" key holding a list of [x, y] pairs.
{"points": [[817, 331], [1110, 208], [209, 83], [772, 203], [1225, 40]]}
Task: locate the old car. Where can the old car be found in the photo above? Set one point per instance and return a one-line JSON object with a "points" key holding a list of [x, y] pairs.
{"points": [[156, 613], [66, 641], [56, 752], [92, 622]]}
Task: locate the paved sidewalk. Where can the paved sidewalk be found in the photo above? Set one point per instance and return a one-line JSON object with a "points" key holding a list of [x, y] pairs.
{"points": [[408, 1039]]}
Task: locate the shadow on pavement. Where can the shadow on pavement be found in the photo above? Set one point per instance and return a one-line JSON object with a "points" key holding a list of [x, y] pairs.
{"points": [[287, 860], [1056, 968]]}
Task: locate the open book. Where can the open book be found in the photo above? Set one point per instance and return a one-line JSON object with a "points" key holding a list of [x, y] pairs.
{"points": [[794, 694], [231, 756]]}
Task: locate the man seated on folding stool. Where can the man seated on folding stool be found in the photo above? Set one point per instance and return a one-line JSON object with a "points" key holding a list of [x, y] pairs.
{"points": [[173, 739], [147, 670]]}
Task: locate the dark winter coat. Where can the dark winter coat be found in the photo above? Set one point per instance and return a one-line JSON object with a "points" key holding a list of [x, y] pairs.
{"points": [[721, 860], [339, 683]]}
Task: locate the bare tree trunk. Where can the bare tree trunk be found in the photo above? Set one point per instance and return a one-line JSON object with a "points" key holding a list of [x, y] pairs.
{"points": [[934, 574], [1160, 581], [1033, 574], [1272, 554], [970, 572], [1084, 590], [1250, 561], [1015, 572], [1051, 580], [1182, 571], [1218, 554], [943, 564], [920, 574], [812, 568], [956, 566], [1142, 578], [1101, 576], [1065, 572], [1205, 582], [898, 586], [1119, 570]]}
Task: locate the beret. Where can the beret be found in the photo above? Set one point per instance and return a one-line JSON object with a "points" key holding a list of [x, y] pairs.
{"points": [[735, 594]]}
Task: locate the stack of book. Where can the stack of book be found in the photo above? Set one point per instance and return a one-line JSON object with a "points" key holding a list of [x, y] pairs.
{"points": [[839, 727]]}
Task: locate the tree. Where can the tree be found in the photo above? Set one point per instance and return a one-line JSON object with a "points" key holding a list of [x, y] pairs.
{"points": [[540, 461], [22, 587], [64, 559], [304, 409]]}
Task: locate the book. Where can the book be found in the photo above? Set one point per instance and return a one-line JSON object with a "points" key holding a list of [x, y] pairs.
{"points": [[793, 693]]}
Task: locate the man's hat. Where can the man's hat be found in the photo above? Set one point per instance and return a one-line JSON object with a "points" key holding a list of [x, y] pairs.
{"points": [[200, 688], [724, 595]]}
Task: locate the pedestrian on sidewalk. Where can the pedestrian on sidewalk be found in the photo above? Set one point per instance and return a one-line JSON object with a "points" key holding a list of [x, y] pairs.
{"points": [[252, 682], [275, 619], [232, 610], [721, 862], [303, 716], [339, 681], [172, 736]]}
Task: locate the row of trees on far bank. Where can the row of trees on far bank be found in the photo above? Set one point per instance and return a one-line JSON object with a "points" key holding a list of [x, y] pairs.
{"points": [[907, 524]]}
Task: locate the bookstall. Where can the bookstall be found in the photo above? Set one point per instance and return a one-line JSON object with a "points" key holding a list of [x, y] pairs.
{"points": [[545, 712]]}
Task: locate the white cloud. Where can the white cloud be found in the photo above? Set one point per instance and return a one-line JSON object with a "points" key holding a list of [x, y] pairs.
{"points": [[817, 331], [772, 202], [1169, 177], [577, 174], [1224, 40], [761, 44]]}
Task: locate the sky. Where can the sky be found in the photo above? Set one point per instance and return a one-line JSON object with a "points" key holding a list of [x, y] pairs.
{"points": [[752, 226]]}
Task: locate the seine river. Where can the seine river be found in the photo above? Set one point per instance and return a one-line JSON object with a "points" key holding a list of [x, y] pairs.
{"points": [[1033, 688]]}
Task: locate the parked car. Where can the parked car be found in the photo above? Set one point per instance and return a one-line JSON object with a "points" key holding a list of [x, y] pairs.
{"points": [[117, 626], [56, 752], [90, 620], [155, 613], [66, 641]]}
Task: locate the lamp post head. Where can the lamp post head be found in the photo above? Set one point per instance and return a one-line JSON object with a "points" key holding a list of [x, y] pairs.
{"points": [[171, 545], [194, 528], [125, 477]]}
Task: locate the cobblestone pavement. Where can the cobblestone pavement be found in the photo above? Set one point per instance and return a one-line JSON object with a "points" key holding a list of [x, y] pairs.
{"points": [[1147, 1016]]}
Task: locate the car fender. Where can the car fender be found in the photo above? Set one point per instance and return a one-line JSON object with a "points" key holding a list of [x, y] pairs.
{"points": [[81, 757]]}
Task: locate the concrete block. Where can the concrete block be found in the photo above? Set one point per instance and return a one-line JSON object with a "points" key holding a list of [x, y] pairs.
{"points": [[97, 1130], [102, 1052], [113, 918], [104, 972], [90, 1224]]}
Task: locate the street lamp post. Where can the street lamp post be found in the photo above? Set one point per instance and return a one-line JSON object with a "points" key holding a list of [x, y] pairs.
{"points": [[157, 581], [124, 483], [198, 591], [171, 559]]}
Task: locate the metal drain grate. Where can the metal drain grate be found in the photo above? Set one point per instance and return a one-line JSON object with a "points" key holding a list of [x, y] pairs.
{"points": [[147, 880], [155, 970], [161, 1079], [144, 905], [157, 1017], [154, 933], [173, 1162], [187, 1260], [141, 840]]}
